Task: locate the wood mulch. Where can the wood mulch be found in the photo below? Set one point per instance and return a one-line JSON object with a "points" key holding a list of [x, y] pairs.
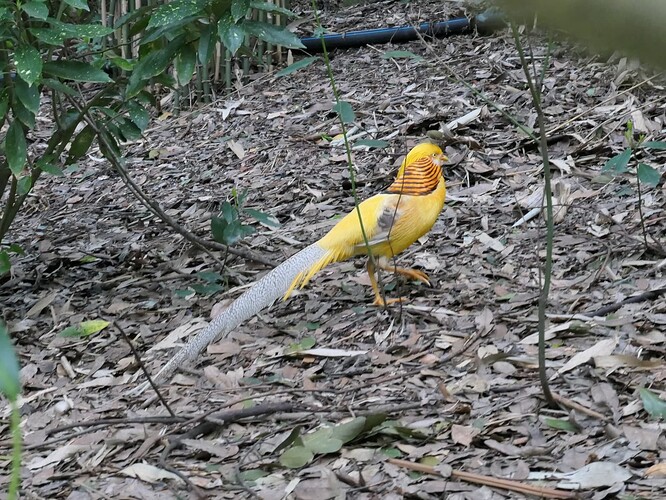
{"points": [[453, 369]]}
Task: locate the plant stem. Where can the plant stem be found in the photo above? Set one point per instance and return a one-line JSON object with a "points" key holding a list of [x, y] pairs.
{"points": [[640, 213], [548, 266], [15, 479]]}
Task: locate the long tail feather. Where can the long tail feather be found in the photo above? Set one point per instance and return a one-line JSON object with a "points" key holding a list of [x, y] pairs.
{"points": [[263, 293]]}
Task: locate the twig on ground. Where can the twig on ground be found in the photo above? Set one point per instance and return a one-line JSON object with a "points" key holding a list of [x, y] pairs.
{"points": [[470, 477]]}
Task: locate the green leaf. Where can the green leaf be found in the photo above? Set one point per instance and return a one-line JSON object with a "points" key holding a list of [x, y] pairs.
{"points": [[349, 430], [271, 7], [10, 384], [78, 4], [24, 115], [648, 175], [185, 62], [252, 475], [5, 263], [24, 185], [80, 144], [206, 44], [264, 218], [217, 227], [37, 10], [654, 145], [4, 103], [28, 63], [303, 63], [138, 114], [239, 9], [345, 112], [296, 457], [29, 95], [372, 143], [77, 71], [128, 130], [401, 54], [15, 148], [618, 163], [653, 404], [210, 276], [562, 425], [174, 11], [391, 452], [50, 168], [57, 85], [122, 63], [231, 34], [68, 30], [273, 34], [322, 441], [49, 36], [149, 66], [85, 328], [207, 289]]}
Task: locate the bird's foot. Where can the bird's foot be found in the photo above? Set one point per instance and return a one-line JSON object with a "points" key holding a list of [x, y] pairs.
{"points": [[381, 302], [414, 274]]}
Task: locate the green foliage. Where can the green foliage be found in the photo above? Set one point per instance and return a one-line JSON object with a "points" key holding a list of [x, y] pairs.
{"points": [[56, 45], [303, 63], [653, 404], [301, 449], [344, 111], [85, 328], [645, 174], [227, 227], [10, 387], [401, 54]]}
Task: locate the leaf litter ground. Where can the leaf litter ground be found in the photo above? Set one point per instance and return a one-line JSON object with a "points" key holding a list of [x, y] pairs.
{"points": [[453, 369]]}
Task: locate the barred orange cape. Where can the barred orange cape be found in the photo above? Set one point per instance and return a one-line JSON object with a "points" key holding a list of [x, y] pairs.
{"points": [[419, 178]]}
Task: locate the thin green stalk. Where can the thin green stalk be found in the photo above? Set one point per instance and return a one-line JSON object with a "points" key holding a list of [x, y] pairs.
{"points": [[548, 266], [640, 213], [15, 425], [350, 167]]}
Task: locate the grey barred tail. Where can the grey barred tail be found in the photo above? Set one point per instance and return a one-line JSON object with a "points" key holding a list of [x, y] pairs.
{"points": [[262, 294]]}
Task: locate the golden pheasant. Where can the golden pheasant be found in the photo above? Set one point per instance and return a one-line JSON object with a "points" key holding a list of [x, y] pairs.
{"points": [[392, 221]]}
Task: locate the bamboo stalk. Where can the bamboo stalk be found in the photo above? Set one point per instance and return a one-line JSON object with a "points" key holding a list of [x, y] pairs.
{"points": [[218, 62], [227, 70]]}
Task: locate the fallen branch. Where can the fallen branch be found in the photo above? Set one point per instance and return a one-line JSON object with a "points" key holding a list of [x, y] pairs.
{"points": [[493, 482]]}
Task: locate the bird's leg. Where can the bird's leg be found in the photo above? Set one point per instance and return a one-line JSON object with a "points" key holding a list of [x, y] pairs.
{"points": [[413, 274], [379, 300]]}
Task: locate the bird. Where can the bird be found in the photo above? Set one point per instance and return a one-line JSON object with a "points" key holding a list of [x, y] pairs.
{"points": [[392, 221]]}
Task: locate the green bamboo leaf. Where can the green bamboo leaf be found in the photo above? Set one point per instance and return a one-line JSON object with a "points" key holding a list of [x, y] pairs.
{"points": [[185, 62], [401, 54], [231, 34], [28, 63], [78, 4], [654, 145], [303, 63], [15, 148], [24, 115], [77, 71], [345, 111], [50, 168], [10, 385], [85, 328], [28, 95], [653, 404], [618, 163], [296, 457], [174, 11], [273, 34], [239, 9], [54, 84], [648, 175], [372, 143], [152, 65], [271, 7], [36, 10]]}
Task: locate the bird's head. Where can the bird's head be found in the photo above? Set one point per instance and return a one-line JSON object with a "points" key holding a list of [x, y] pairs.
{"points": [[423, 150]]}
